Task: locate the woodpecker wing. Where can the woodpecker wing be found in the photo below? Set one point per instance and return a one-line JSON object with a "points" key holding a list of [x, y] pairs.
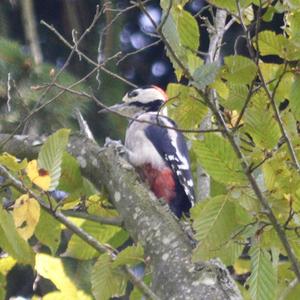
{"points": [[172, 147]]}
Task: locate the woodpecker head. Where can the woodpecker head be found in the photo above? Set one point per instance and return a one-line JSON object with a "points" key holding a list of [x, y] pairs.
{"points": [[143, 99]]}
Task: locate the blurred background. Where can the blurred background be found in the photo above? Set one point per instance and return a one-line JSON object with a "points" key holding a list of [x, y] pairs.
{"points": [[24, 73]]}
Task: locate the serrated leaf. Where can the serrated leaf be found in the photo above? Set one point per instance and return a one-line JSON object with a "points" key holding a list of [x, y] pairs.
{"points": [[50, 156], [172, 36], [131, 255], [217, 157], [79, 249], [239, 69], [271, 43], [221, 88], [262, 281], [292, 29], [228, 252], [258, 116], [185, 110], [52, 268], [193, 62], [295, 97], [106, 281], [26, 214], [50, 238], [236, 98], [11, 241], [11, 162], [205, 75], [217, 221], [188, 30]]}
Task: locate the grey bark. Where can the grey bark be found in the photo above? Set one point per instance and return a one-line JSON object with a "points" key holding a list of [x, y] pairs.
{"points": [[216, 31], [166, 244]]}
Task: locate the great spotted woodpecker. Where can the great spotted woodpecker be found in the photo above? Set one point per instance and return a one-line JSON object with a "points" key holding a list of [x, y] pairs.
{"points": [[158, 152]]}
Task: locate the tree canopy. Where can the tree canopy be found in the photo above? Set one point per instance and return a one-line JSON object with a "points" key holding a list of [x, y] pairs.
{"points": [[78, 215]]}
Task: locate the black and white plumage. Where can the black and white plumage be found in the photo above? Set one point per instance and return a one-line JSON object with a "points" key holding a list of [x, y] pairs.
{"points": [[158, 152]]}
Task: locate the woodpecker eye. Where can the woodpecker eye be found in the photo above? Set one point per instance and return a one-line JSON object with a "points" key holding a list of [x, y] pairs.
{"points": [[132, 94]]}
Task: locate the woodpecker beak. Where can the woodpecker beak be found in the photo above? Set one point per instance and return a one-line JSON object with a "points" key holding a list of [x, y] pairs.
{"points": [[123, 108]]}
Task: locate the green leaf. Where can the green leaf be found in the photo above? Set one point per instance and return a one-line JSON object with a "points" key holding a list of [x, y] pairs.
{"points": [[258, 116], [239, 69], [53, 269], [79, 249], [188, 30], [295, 97], [107, 282], [228, 252], [218, 220], [2, 287], [262, 281], [271, 44], [185, 109], [71, 178], [131, 255], [236, 98], [11, 241], [230, 4], [217, 157], [293, 24], [50, 238], [293, 293], [171, 34], [205, 75], [50, 156]]}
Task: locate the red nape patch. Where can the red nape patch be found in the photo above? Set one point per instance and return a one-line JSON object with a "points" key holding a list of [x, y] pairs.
{"points": [[161, 182]]}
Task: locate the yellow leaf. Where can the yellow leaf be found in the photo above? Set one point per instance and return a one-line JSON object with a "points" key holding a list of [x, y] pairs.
{"points": [[53, 269], [6, 264], [38, 176], [26, 215], [11, 162], [241, 266]]}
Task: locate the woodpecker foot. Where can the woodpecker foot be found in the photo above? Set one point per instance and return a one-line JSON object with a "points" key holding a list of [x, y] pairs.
{"points": [[109, 143]]}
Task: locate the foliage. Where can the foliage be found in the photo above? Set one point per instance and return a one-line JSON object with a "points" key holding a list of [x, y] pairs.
{"points": [[28, 83], [252, 159]]}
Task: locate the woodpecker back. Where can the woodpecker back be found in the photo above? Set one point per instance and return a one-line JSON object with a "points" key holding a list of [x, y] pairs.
{"points": [[158, 151]]}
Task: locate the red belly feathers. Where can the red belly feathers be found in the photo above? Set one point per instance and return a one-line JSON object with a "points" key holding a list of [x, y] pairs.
{"points": [[161, 182]]}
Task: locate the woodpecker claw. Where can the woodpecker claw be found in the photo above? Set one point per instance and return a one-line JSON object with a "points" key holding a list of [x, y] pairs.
{"points": [[109, 143]]}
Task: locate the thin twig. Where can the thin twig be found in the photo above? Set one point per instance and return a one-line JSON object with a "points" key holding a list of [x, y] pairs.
{"points": [[270, 95], [117, 221], [89, 60], [107, 108], [94, 243]]}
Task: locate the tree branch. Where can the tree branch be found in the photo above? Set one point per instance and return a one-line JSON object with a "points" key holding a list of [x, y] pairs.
{"points": [[160, 233]]}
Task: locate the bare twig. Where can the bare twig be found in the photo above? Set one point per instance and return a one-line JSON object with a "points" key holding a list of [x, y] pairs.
{"points": [[84, 128], [89, 60]]}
